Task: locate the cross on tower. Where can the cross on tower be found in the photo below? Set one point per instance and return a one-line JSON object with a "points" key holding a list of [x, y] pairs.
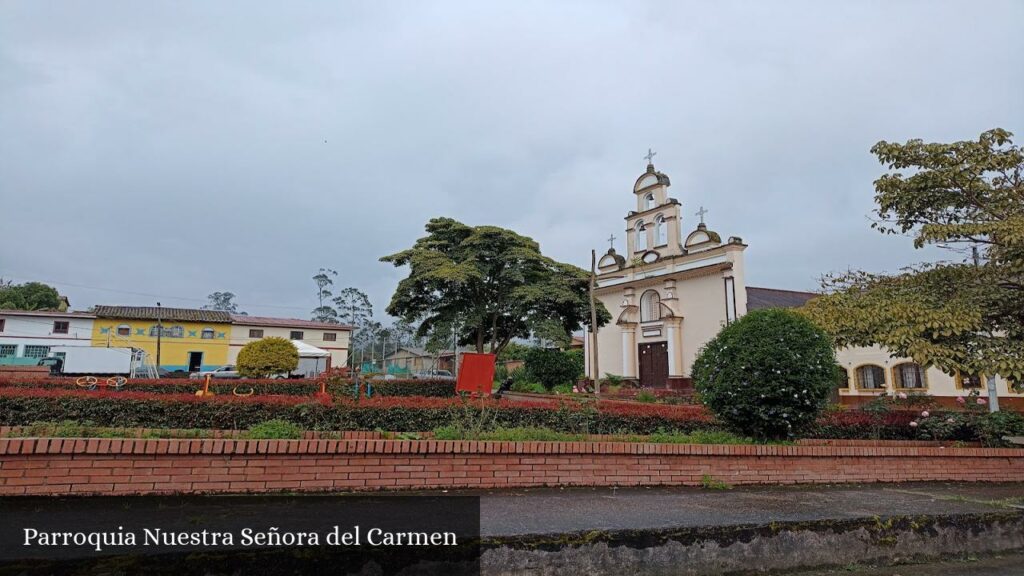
{"points": [[611, 241], [650, 156], [701, 213]]}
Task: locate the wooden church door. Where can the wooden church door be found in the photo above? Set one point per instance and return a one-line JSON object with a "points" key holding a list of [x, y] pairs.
{"points": [[653, 364]]}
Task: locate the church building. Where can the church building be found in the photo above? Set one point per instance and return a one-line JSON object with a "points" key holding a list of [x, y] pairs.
{"points": [[679, 284], [669, 294]]}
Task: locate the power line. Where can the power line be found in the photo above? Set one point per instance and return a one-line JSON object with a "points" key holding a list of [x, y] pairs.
{"points": [[146, 294]]}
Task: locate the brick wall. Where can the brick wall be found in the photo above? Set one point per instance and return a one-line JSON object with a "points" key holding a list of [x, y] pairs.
{"points": [[135, 466]]}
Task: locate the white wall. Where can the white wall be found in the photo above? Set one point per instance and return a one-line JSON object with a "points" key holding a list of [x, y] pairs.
{"points": [[312, 336], [22, 330]]}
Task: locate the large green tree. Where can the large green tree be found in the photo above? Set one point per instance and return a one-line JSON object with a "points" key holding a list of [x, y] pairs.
{"points": [[29, 296], [493, 284], [964, 314]]}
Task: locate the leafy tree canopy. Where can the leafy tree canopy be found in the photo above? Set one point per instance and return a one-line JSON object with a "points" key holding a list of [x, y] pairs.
{"points": [[324, 279], [958, 315], [29, 296], [353, 307], [224, 301], [493, 284]]}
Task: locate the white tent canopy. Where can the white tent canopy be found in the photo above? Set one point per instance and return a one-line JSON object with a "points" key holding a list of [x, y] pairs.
{"points": [[307, 351]]}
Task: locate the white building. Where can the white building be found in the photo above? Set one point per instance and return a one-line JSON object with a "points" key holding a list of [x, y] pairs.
{"points": [[333, 338], [668, 295], [671, 292], [28, 335]]}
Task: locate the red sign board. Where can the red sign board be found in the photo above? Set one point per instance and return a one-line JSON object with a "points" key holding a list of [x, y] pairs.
{"points": [[476, 373]]}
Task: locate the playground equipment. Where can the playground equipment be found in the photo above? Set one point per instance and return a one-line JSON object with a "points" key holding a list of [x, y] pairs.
{"points": [[206, 388], [92, 382]]}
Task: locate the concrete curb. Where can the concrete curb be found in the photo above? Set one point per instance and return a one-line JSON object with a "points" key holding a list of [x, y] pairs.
{"points": [[744, 549]]}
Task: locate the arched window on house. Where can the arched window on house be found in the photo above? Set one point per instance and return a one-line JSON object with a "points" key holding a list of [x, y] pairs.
{"points": [[871, 377], [648, 201], [909, 375], [650, 306], [660, 231], [842, 377], [207, 334], [640, 232], [124, 330]]}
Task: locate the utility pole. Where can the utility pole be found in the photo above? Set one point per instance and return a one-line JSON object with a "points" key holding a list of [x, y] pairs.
{"points": [[159, 334], [595, 367], [993, 394], [351, 346], [455, 348]]}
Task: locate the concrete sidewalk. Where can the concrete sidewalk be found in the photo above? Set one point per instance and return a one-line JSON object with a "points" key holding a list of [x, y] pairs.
{"points": [[556, 511], [676, 531]]}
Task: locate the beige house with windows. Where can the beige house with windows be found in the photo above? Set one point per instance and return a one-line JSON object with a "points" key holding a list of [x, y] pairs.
{"points": [[410, 359], [677, 285], [331, 337]]}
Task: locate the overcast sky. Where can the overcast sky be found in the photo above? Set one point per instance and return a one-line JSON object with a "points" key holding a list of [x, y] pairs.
{"points": [[165, 150]]}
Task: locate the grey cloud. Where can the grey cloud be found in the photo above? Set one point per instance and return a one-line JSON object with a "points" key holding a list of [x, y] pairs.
{"points": [[182, 148]]}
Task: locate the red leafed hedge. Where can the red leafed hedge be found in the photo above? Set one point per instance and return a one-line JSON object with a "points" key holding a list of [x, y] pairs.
{"points": [[23, 406], [298, 387]]}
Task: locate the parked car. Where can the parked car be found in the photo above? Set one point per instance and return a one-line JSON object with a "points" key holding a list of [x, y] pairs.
{"points": [[222, 372], [433, 375], [165, 373]]}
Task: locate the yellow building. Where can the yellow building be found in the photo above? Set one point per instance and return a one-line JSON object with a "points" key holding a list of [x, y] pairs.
{"points": [[190, 340]]}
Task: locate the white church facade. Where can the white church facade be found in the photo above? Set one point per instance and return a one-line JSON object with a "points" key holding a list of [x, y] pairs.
{"points": [[677, 285]]}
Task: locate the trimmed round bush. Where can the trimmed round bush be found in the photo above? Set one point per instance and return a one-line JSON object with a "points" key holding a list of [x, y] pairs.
{"points": [[551, 367], [767, 375], [267, 357]]}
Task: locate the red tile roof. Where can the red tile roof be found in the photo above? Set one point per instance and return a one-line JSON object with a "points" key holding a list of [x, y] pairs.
{"points": [[245, 320], [155, 312], [54, 313]]}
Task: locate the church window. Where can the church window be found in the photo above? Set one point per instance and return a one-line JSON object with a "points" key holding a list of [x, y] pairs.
{"points": [[871, 377], [641, 236], [648, 201], [909, 375], [730, 299], [660, 231], [650, 306]]}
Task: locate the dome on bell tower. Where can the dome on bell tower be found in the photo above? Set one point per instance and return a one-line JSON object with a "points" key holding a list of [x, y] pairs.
{"points": [[650, 178]]}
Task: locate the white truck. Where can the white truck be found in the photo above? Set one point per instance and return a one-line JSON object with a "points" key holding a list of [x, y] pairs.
{"points": [[90, 361]]}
